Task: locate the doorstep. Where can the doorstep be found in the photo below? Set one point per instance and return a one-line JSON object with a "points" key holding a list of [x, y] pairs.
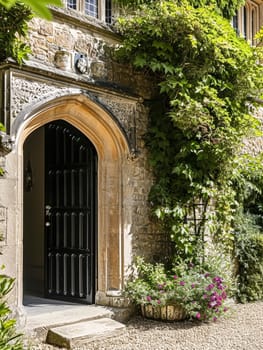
{"points": [[79, 334], [43, 315]]}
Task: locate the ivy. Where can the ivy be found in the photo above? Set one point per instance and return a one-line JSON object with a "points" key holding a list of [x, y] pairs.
{"points": [[226, 8], [249, 258], [13, 28], [208, 79]]}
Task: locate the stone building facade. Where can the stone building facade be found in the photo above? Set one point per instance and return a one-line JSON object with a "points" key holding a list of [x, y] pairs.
{"points": [[72, 235], [73, 199]]}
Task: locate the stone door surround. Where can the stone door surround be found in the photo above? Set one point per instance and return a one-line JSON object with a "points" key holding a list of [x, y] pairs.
{"points": [[112, 149]]}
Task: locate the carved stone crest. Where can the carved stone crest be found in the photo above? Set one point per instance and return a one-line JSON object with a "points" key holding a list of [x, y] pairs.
{"points": [[81, 63]]}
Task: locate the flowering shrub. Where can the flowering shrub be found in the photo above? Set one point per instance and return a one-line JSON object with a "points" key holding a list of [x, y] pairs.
{"points": [[202, 293]]}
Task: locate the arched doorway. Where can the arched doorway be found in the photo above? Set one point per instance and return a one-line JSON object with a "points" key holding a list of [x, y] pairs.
{"points": [[113, 241], [60, 193]]}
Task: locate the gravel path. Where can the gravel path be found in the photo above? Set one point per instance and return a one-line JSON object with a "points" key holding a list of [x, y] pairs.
{"points": [[242, 330]]}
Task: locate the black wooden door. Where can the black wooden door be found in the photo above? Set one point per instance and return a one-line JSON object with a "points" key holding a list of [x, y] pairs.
{"points": [[71, 213]]}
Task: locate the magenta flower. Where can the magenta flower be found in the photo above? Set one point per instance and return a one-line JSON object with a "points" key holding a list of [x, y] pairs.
{"points": [[175, 277], [213, 303], [207, 274], [217, 279], [193, 285], [205, 296], [198, 315], [158, 301], [182, 283], [213, 297], [148, 298], [210, 286], [214, 319], [225, 309], [223, 295]]}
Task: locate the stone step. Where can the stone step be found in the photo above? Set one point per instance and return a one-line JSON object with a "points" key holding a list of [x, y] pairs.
{"points": [[39, 322], [78, 334]]}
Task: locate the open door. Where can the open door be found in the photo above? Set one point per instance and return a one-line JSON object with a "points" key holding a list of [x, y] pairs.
{"points": [[70, 214]]}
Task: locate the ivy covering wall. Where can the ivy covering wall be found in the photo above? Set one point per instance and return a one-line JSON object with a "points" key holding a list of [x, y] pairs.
{"points": [[208, 79]]}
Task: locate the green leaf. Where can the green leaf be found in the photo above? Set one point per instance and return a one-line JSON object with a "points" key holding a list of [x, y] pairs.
{"points": [[39, 7]]}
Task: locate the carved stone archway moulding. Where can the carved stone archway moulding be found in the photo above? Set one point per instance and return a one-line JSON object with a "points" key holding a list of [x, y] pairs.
{"points": [[113, 150], [28, 90]]}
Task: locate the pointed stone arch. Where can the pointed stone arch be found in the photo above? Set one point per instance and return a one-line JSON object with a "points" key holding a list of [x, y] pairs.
{"points": [[112, 149]]}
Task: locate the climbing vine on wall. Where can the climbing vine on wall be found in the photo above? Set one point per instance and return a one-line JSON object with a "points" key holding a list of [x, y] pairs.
{"points": [[226, 8], [207, 78]]}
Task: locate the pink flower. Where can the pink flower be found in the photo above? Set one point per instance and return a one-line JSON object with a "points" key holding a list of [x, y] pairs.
{"points": [[175, 277], [198, 315], [148, 298], [193, 285], [213, 303], [223, 295], [214, 319], [158, 301], [217, 279], [210, 286], [205, 296], [182, 283], [225, 309]]}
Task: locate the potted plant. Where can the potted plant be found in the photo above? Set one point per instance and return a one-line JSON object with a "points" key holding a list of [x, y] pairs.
{"points": [[184, 291]]}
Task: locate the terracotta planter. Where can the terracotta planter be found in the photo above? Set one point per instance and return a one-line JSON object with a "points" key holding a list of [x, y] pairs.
{"points": [[165, 313]]}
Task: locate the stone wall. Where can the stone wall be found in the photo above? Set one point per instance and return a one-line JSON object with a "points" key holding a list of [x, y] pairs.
{"points": [[254, 144], [50, 85], [75, 34], [75, 37]]}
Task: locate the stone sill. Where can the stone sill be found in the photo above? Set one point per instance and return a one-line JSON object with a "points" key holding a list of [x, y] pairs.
{"points": [[86, 22]]}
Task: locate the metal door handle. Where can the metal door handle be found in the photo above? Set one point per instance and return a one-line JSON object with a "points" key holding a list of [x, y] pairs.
{"points": [[48, 208]]}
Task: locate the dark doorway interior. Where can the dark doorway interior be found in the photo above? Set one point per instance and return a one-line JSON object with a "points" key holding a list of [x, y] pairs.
{"points": [[33, 219], [60, 214]]}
